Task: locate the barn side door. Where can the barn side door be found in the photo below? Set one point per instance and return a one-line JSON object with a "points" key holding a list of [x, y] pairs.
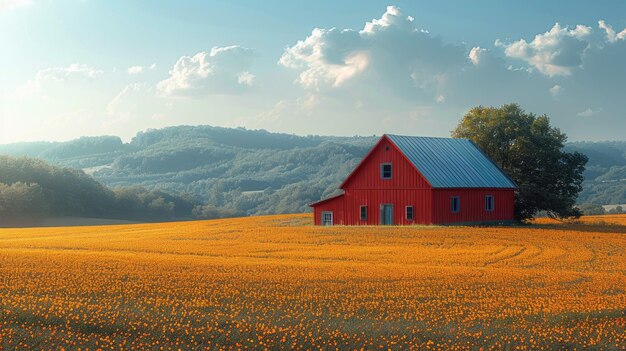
{"points": [[386, 214]]}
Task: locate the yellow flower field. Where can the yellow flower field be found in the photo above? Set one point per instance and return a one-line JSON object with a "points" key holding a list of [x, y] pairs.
{"points": [[615, 219], [276, 282]]}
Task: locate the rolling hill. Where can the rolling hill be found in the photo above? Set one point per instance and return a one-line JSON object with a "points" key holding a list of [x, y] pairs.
{"points": [[252, 172]]}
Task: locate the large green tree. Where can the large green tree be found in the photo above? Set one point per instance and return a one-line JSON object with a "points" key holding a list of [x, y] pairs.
{"points": [[531, 152]]}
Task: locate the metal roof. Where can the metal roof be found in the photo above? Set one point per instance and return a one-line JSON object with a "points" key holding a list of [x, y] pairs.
{"points": [[452, 163], [326, 200]]}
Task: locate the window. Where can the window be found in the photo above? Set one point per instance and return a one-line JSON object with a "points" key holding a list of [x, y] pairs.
{"points": [[327, 218], [364, 213], [488, 202], [455, 204], [409, 213], [385, 170]]}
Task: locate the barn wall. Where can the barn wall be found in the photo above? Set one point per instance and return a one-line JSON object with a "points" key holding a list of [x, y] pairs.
{"points": [[367, 174], [408, 187], [472, 205], [335, 205], [420, 199]]}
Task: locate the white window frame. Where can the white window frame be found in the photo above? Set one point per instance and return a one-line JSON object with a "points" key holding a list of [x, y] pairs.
{"points": [[458, 202], [406, 213], [324, 221], [493, 203], [382, 170]]}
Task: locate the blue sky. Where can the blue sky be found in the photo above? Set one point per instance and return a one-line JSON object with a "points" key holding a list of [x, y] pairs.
{"points": [[73, 68]]}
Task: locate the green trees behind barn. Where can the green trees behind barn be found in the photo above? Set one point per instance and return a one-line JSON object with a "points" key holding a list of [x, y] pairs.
{"points": [[531, 153]]}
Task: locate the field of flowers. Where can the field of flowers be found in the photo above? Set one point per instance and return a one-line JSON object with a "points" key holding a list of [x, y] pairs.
{"points": [[276, 282], [615, 219]]}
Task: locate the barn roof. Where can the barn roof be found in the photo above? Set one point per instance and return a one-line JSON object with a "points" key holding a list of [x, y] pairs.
{"points": [[326, 200], [451, 163]]}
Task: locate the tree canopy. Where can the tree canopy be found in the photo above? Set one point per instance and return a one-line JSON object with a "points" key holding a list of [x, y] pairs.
{"points": [[32, 189], [531, 152]]}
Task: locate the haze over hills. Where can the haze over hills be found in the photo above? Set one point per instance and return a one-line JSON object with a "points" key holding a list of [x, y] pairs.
{"points": [[251, 172]]}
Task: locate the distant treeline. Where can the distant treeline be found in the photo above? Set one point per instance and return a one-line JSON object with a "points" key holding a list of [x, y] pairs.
{"points": [[236, 172], [32, 189]]}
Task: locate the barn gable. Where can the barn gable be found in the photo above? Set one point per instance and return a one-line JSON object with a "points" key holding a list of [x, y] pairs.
{"points": [[367, 174]]}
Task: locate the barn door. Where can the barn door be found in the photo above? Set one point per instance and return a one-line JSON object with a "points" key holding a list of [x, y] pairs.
{"points": [[386, 214]]}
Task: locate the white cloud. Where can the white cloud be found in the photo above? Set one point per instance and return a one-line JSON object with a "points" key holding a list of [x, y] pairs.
{"points": [[135, 69], [139, 69], [75, 71], [553, 53], [327, 56], [475, 54], [611, 35], [589, 112], [391, 18], [69, 72], [9, 4], [391, 52], [223, 70], [555, 90], [246, 78]]}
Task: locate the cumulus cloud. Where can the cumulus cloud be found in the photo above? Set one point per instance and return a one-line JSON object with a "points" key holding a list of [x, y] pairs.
{"points": [[223, 70], [553, 53], [390, 51], [327, 56], [611, 35], [75, 71], [9, 4], [475, 54], [555, 90]]}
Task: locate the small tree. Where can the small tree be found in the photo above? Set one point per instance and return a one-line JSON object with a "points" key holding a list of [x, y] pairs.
{"points": [[592, 209], [530, 151]]}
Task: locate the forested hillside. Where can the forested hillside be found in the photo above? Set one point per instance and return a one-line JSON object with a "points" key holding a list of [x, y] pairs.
{"points": [[231, 171], [31, 189], [605, 177], [247, 172]]}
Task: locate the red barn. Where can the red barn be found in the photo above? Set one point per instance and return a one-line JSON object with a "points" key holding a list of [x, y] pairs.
{"points": [[421, 180]]}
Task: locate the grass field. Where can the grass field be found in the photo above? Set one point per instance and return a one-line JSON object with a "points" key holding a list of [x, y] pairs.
{"points": [[276, 282]]}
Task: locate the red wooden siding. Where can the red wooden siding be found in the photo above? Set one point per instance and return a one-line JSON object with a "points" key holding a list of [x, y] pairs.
{"points": [[367, 174], [407, 187], [420, 199], [472, 207], [336, 205]]}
